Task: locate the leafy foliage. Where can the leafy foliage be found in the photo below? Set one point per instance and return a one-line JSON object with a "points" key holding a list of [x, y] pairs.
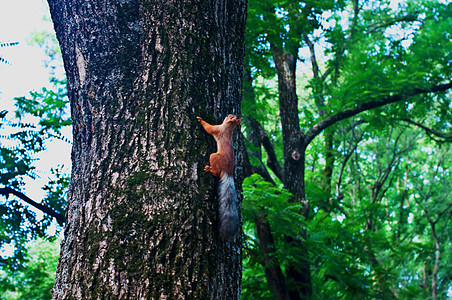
{"points": [[262, 199], [35, 281], [56, 190], [49, 107], [46, 113], [27, 272], [377, 183]]}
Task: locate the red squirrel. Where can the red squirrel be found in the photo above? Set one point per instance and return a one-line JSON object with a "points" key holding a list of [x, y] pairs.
{"points": [[222, 165]]}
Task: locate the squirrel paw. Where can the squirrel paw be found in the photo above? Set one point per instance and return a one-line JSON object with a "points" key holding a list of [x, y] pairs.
{"points": [[207, 168], [199, 119]]}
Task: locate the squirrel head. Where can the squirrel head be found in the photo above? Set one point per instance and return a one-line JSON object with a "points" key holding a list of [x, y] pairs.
{"points": [[232, 120]]}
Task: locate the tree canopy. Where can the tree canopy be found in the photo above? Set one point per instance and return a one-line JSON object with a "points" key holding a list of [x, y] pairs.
{"points": [[362, 93], [25, 132]]}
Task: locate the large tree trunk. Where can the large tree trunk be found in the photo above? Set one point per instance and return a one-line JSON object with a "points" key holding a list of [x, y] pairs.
{"points": [[294, 147], [141, 221]]}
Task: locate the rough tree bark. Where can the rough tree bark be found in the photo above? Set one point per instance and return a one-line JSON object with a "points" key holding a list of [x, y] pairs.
{"points": [[141, 220], [294, 160]]}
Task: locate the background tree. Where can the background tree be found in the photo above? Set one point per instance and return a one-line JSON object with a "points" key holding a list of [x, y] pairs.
{"points": [[141, 219], [25, 132], [376, 68], [38, 119], [35, 280]]}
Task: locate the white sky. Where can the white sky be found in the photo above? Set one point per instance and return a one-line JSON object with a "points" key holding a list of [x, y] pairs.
{"points": [[18, 19], [26, 72]]}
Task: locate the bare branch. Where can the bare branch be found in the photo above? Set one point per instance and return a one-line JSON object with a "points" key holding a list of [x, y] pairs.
{"points": [[352, 148], [431, 132], [317, 90], [406, 18], [7, 190], [441, 213], [315, 66], [272, 159]]}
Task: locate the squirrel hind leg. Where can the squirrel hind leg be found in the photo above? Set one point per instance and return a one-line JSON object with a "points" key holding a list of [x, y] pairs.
{"points": [[212, 171], [216, 164]]}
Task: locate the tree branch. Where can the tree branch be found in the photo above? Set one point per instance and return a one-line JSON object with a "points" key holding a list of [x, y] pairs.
{"points": [[430, 132], [249, 169], [272, 159], [7, 190], [315, 66], [351, 149], [317, 85], [330, 120], [406, 18], [273, 272]]}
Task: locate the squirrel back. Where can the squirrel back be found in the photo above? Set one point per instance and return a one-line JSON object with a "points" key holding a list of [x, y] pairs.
{"points": [[222, 165]]}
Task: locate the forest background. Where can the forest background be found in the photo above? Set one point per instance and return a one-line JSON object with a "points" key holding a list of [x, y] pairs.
{"points": [[374, 214]]}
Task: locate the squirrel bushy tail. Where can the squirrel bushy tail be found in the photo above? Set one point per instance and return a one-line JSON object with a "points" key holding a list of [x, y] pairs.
{"points": [[228, 210]]}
